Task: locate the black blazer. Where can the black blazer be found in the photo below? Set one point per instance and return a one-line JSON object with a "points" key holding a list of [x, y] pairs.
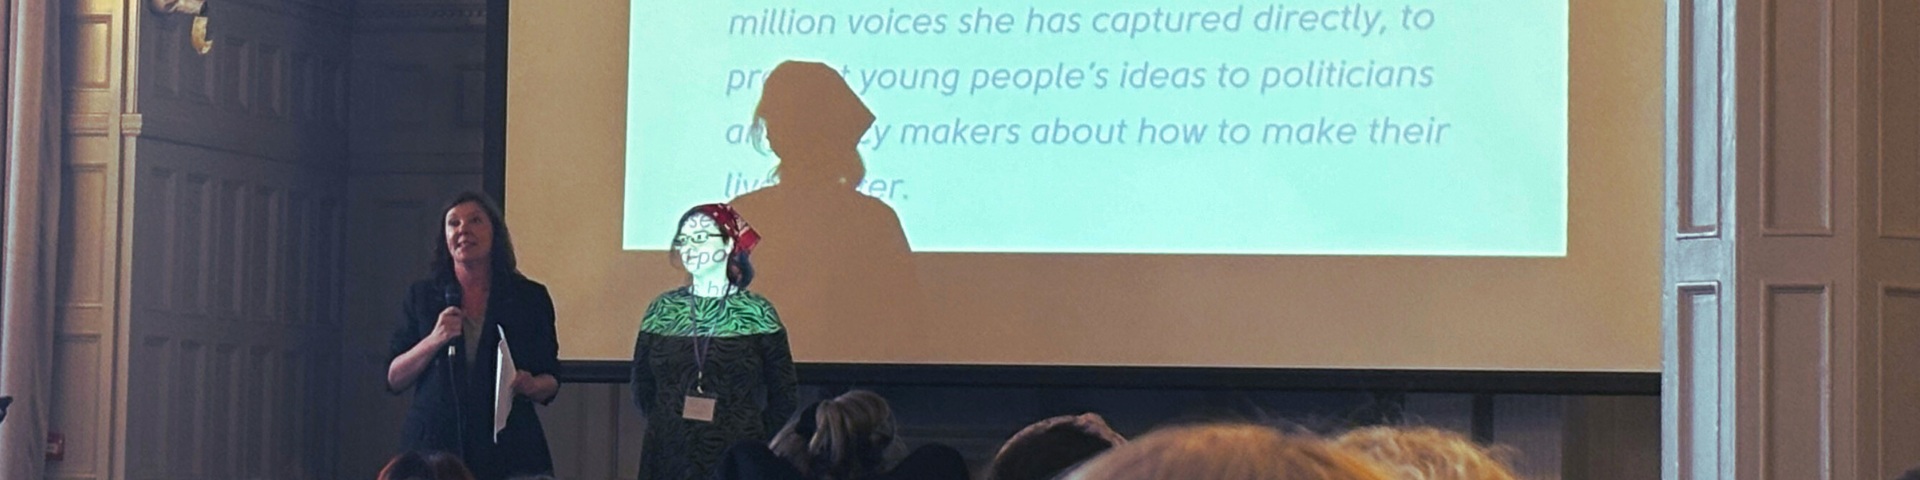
{"points": [[524, 310]]}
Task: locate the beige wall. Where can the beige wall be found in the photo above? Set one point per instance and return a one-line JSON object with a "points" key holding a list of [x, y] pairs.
{"points": [[1592, 310]]}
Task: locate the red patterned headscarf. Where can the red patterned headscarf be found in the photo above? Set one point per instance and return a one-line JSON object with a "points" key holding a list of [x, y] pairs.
{"points": [[731, 225]]}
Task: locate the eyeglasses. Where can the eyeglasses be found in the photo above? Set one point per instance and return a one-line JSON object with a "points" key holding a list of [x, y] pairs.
{"points": [[695, 237]]}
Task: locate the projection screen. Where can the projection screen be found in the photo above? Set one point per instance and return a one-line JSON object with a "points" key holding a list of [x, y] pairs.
{"points": [[1468, 185]]}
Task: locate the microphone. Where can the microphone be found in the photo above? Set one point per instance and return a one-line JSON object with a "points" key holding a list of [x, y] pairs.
{"points": [[451, 293]]}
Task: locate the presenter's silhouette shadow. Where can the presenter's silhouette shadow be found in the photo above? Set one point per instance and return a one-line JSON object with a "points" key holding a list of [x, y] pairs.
{"points": [[836, 260]]}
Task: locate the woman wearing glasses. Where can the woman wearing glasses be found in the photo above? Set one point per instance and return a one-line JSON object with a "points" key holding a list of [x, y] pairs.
{"points": [[711, 366]]}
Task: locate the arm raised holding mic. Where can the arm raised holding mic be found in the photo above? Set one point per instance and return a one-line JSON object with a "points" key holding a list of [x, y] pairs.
{"points": [[406, 368]]}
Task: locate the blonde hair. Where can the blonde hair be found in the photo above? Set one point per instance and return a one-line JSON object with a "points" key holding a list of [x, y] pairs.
{"points": [[1427, 453], [1226, 452], [847, 437]]}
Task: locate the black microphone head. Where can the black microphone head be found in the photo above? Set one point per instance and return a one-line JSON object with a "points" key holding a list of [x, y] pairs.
{"points": [[452, 294]]}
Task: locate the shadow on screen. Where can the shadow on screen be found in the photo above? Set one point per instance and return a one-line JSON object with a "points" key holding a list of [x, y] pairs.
{"points": [[835, 262]]}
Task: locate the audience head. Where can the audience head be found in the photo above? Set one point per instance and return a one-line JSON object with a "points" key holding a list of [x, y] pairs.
{"points": [[472, 229], [425, 466], [714, 236], [1425, 453], [1913, 474], [812, 120], [1226, 452], [847, 437], [1045, 449]]}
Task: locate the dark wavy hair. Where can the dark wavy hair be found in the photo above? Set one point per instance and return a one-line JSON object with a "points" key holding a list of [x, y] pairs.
{"points": [[1045, 449], [425, 465], [503, 262], [739, 267]]}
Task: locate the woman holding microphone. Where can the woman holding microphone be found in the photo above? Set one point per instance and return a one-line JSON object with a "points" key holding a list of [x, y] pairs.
{"points": [[447, 347]]}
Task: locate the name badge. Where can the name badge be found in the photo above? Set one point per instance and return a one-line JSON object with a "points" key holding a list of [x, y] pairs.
{"points": [[698, 408]]}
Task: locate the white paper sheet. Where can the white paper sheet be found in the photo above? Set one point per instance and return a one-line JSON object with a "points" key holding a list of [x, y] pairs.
{"points": [[502, 387]]}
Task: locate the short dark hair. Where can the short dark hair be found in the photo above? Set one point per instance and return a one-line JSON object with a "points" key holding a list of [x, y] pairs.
{"points": [[503, 261], [425, 465], [1046, 454], [739, 267]]}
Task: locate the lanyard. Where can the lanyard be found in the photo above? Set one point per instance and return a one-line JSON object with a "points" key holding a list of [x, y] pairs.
{"points": [[701, 343]]}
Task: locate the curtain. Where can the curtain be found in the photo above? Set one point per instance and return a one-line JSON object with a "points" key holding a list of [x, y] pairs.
{"points": [[30, 212]]}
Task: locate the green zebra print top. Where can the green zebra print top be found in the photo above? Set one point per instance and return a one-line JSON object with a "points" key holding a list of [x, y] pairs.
{"points": [[746, 367], [746, 313]]}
